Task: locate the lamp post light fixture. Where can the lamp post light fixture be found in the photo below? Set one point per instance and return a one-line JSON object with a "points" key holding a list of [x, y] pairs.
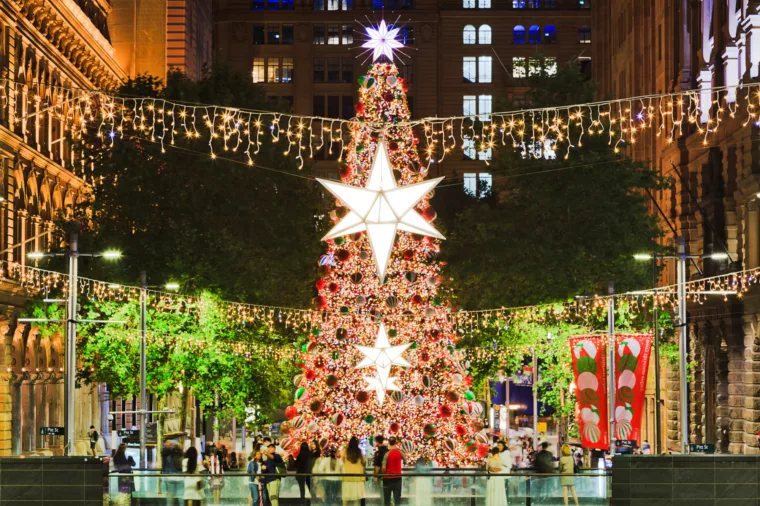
{"points": [[681, 257], [71, 321]]}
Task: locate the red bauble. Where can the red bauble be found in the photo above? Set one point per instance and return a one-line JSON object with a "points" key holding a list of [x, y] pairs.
{"points": [[435, 334], [409, 254], [324, 270], [418, 237], [356, 236], [424, 357], [388, 96], [320, 284], [309, 374], [362, 396], [468, 380], [417, 299], [333, 287], [319, 363], [359, 107], [320, 301], [393, 146], [291, 412], [316, 406], [344, 172], [482, 451], [460, 430], [444, 411], [343, 255], [394, 428], [429, 213]]}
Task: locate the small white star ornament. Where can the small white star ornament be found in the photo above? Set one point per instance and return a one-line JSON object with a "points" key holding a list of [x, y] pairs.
{"points": [[381, 209], [382, 356], [382, 41]]}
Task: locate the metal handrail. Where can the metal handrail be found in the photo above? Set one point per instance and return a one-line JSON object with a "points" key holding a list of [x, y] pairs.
{"points": [[443, 473]]}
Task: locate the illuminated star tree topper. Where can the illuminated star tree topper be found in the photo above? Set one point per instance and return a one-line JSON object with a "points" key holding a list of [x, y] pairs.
{"points": [[382, 40]]}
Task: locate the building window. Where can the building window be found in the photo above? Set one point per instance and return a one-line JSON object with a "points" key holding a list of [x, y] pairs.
{"points": [[333, 106], [258, 34], [333, 34], [318, 105], [286, 74], [518, 35], [477, 184], [469, 34], [484, 69], [518, 4], [470, 106], [287, 34], [485, 107], [273, 34], [348, 34], [484, 34], [584, 35], [469, 69], [347, 69], [534, 35], [392, 5], [333, 70], [480, 106], [537, 67], [484, 4], [550, 68], [550, 35], [273, 70], [318, 70], [332, 5], [550, 4], [406, 72], [319, 34], [584, 4], [259, 70], [407, 35], [272, 5], [347, 107], [468, 4], [518, 67], [476, 70]]}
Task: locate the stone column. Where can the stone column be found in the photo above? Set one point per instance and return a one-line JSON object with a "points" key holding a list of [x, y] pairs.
{"points": [[731, 71], [704, 80], [696, 384], [672, 400], [722, 418], [751, 386]]}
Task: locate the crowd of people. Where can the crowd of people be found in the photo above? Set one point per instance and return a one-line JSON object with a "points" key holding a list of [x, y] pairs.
{"points": [[333, 476]]}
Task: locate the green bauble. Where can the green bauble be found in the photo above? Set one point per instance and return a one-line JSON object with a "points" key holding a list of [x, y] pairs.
{"points": [[370, 82], [359, 147], [625, 395], [469, 395], [369, 419], [413, 345], [361, 80], [588, 396], [305, 348], [627, 363], [344, 309], [339, 241], [341, 333], [335, 355], [586, 364], [392, 332], [316, 331]]}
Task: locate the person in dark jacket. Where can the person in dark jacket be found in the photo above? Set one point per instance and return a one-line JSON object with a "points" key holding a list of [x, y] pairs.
{"points": [[544, 462], [304, 463], [171, 458]]}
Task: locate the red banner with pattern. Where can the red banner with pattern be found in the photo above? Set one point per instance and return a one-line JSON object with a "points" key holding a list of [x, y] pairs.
{"points": [[632, 353], [590, 368]]}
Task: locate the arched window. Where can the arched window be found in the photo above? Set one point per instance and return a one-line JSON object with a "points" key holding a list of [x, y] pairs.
{"points": [[584, 35], [469, 35], [534, 34], [550, 35], [518, 35], [484, 34]]}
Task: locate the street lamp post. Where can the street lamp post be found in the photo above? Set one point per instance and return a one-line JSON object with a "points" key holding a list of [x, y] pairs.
{"points": [[71, 321], [611, 358], [681, 258]]}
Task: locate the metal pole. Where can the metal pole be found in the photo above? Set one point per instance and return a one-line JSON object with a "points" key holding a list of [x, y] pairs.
{"points": [[71, 345], [682, 344], [611, 359], [143, 372], [506, 399], [535, 400], [656, 337]]}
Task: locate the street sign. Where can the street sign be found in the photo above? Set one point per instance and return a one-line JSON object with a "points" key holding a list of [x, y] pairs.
{"points": [[705, 448], [627, 442], [52, 431], [129, 433]]}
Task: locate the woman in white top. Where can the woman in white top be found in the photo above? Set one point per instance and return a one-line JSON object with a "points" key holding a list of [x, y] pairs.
{"points": [[328, 488], [495, 490], [506, 463], [193, 484]]}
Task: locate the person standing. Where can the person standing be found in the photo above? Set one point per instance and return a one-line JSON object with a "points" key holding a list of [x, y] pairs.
{"points": [[567, 468], [329, 486], [171, 458], [273, 465], [92, 434], [377, 463], [392, 464], [543, 463], [259, 495], [123, 465], [303, 469], [506, 463], [193, 494], [353, 464], [495, 495]]}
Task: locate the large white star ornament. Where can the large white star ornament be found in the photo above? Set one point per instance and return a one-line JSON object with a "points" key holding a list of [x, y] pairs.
{"points": [[382, 356], [381, 209], [382, 41]]}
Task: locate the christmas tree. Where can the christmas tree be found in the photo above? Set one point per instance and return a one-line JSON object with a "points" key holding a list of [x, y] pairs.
{"points": [[382, 357]]}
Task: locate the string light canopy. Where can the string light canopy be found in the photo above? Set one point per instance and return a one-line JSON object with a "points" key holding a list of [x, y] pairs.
{"points": [[541, 133]]}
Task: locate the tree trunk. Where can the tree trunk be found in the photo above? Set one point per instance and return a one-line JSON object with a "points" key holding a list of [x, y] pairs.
{"points": [[183, 417], [160, 405]]}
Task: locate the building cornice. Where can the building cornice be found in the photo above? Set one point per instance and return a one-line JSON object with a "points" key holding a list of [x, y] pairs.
{"points": [[61, 26]]}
